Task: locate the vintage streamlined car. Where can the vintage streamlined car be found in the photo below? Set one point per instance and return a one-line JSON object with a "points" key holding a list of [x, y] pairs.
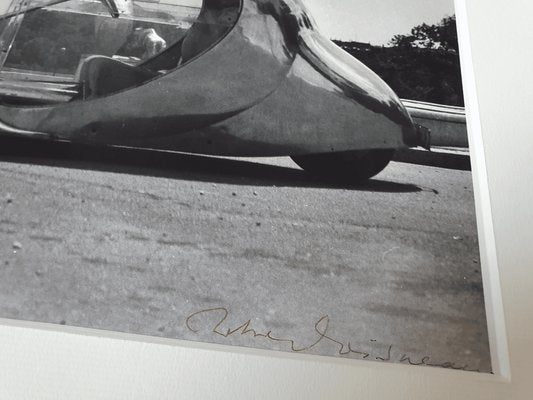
{"points": [[219, 77]]}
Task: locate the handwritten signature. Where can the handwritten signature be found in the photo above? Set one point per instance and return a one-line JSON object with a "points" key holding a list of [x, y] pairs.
{"points": [[219, 315]]}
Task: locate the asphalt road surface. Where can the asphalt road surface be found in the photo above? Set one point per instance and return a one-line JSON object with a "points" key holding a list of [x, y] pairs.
{"points": [[255, 252]]}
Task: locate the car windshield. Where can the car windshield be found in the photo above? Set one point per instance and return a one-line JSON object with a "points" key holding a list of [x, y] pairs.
{"points": [[51, 41]]}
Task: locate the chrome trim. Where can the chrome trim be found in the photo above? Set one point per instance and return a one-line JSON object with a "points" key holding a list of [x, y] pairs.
{"points": [[37, 90], [20, 132]]}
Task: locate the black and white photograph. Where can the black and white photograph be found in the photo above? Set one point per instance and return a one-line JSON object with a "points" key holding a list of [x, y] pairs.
{"points": [[285, 175]]}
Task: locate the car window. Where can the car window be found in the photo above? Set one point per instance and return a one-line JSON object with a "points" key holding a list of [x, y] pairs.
{"points": [[57, 38], [49, 46]]}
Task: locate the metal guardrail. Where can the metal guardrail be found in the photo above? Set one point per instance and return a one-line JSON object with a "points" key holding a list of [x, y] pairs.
{"points": [[446, 123]]}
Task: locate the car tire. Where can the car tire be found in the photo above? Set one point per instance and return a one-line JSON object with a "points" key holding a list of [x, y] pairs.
{"points": [[349, 166]]}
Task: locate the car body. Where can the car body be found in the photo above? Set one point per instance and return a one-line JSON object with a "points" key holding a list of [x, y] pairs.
{"points": [[224, 77]]}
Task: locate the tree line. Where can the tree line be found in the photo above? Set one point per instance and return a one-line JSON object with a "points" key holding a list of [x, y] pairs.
{"points": [[423, 65]]}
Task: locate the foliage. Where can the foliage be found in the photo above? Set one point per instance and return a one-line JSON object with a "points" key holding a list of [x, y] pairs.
{"points": [[441, 36], [422, 66]]}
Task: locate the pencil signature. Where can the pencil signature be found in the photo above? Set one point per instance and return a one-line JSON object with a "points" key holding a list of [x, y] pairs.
{"points": [[218, 316]]}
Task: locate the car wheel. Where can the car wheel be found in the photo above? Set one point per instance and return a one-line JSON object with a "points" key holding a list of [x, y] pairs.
{"points": [[348, 166]]}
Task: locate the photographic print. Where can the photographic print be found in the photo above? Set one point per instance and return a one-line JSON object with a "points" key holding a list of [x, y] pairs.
{"points": [[289, 175]]}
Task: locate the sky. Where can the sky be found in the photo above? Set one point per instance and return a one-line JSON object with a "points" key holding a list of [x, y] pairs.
{"points": [[372, 21], [375, 21]]}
